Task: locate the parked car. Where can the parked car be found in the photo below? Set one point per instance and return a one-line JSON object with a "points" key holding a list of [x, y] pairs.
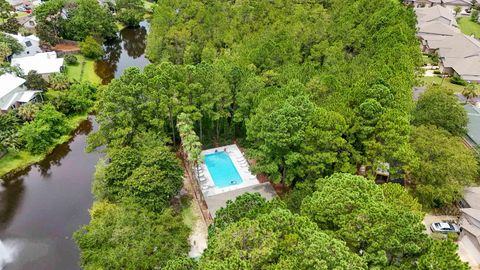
{"points": [[445, 227]]}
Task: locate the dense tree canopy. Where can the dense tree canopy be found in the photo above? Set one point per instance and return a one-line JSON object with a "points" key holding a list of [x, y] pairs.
{"points": [[358, 212], [278, 240], [75, 20], [440, 108], [445, 166], [381, 226], [130, 237]]}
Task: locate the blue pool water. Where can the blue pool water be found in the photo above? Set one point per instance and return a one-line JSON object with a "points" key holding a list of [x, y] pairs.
{"points": [[222, 170]]}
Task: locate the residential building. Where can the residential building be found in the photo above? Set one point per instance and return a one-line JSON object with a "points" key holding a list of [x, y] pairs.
{"points": [[13, 93], [436, 14], [470, 222], [28, 22], [43, 63], [473, 139], [31, 45], [451, 4]]}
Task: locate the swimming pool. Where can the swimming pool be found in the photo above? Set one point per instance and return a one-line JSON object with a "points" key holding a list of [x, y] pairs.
{"points": [[222, 170]]}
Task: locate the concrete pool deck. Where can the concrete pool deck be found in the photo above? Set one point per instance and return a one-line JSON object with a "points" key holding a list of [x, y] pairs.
{"points": [[215, 197], [241, 165]]}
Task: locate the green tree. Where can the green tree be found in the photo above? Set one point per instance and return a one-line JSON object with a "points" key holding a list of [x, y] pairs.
{"points": [[277, 240], [156, 181], [41, 133], [129, 12], [442, 109], [10, 26], [58, 81], [91, 48], [5, 51], [147, 240], [28, 112], [443, 168], [474, 15], [457, 10], [470, 91], [356, 211], [87, 18], [277, 132], [35, 81], [5, 10], [50, 21], [12, 43], [442, 255], [9, 125]]}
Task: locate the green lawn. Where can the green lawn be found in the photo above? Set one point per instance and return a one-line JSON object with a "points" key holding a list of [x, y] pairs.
{"points": [[83, 71], [468, 27], [22, 159], [427, 81]]}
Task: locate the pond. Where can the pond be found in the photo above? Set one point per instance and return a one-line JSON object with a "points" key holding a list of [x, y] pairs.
{"points": [[128, 50], [41, 206]]}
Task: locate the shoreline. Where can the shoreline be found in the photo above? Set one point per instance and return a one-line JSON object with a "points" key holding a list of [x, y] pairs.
{"points": [[23, 159]]}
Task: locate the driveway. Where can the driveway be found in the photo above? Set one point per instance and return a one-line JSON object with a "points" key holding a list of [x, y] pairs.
{"points": [[429, 219], [469, 253]]}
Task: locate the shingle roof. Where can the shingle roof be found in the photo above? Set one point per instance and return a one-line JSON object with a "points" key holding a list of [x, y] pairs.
{"points": [[473, 132], [436, 13], [437, 28]]}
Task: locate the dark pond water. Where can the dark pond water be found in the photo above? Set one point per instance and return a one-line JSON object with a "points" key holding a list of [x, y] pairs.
{"points": [[128, 50], [43, 205]]}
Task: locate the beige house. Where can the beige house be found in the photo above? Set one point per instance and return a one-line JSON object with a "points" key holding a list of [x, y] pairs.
{"points": [[470, 223]]}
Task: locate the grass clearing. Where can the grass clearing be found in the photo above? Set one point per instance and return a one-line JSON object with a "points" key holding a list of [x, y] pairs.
{"points": [[188, 215], [428, 81], [468, 27], [83, 71], [16, 161]]}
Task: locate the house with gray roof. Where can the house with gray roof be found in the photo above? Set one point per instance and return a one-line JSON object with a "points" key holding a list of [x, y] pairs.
{"points": [[436, 13], [473, 127], [470, 222]]}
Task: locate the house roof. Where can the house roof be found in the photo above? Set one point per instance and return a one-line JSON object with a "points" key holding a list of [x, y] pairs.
{"points": [[9, 88], [472, 195], [218, 201], [43, 63], [9, 83], [436, 13], [472, 212], [453, 2], [467, 68], [437, 28], [459, 46]]}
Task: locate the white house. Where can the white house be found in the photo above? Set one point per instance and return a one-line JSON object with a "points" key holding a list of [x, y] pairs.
{"points": [[43, 63], [31, 45], [13, 93]]}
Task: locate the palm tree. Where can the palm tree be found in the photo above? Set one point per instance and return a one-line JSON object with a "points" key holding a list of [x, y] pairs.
{"points": [[470, 91], [28, 111]]}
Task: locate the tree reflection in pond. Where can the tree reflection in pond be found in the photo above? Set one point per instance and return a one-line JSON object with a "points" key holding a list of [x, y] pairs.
{"points": [[125, 51]]}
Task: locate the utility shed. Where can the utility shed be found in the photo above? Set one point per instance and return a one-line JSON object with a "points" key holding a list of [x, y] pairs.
{"points": [[218, 201]]}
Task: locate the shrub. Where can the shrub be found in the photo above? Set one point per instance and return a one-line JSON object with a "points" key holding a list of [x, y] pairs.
{"points": [[70, 59], [78, 99], [458, 80], [438, 72], [35, 81], [39, 134], [91, 48]]}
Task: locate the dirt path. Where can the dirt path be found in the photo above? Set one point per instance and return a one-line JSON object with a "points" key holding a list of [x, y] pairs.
{"points": [[199, 234]]}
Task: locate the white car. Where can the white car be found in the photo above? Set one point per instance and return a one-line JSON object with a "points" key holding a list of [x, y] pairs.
{"points": [[445, 227]]}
